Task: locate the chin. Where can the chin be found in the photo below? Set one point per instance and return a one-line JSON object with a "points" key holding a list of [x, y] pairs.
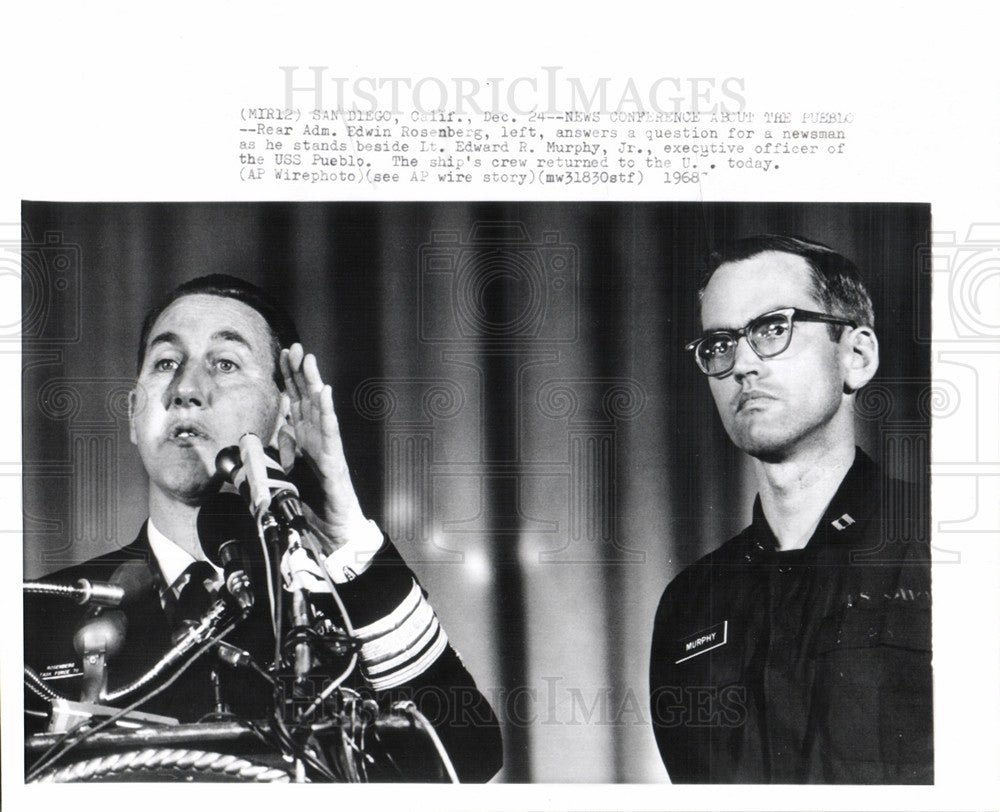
{"points": [[195, 497], [190, 490], [770, 454], [762, 446]]}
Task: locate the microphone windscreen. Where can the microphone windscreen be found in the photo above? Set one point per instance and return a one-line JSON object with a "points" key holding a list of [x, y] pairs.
{"points": [[222, 518], [228, 462], [135, 578], [104, 631]]}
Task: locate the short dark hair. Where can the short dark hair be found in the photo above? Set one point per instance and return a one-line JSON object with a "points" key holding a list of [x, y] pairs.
{"points": [[283, 331], [836, 281]]}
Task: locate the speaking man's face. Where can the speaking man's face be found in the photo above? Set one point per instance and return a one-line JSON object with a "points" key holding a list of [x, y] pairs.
{"points": [[772, 407], [206, 380]]}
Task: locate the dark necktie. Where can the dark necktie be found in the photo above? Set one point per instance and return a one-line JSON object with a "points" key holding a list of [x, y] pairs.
{"points": [[195, 596]]}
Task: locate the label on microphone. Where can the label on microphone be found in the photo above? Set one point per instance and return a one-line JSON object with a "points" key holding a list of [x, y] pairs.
{"points": [[255, 469], [60, 671], [300, 571]]}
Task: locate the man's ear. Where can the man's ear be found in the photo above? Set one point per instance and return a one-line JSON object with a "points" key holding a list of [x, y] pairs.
{"points": [[860, 354]]}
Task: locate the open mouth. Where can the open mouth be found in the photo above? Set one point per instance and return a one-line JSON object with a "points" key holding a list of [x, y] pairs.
{"points": [[187, 433]]}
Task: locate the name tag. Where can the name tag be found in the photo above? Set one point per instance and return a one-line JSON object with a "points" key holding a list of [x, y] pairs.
{"points": [[61, 671], [700, 642]]}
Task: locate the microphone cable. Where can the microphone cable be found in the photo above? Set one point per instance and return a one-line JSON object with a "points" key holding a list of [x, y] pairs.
{"points": [[410, 709], [50, 756]]}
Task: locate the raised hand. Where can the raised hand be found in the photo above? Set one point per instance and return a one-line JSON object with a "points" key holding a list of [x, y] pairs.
{"points": [[317, 434]]}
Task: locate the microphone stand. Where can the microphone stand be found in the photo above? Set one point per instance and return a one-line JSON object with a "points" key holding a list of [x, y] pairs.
{"points": [[300, 612]]}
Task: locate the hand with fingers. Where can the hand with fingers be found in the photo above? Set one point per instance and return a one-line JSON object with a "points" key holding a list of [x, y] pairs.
{"points": [[317, 435]]}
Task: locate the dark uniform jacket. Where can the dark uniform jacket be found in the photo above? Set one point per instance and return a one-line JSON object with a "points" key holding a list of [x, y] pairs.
{"points": [[444, 691], [810, 665]]}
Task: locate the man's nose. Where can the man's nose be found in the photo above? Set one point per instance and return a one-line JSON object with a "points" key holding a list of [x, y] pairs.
{"points": [[745, 361], [190, 387]]}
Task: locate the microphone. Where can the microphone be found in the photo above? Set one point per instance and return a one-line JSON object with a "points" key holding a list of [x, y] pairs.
{"points": [[101, 632], [98, 593], [127, 583], [260, 480], [188, 638], [100, 635], [224, 528]]}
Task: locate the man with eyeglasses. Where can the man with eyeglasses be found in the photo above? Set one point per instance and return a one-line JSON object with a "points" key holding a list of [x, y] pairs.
{"points": [[799, 651]]}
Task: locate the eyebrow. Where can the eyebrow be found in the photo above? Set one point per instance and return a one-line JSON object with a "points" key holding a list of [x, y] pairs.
{"points": [[163, 338], [231, 335], [220, 335], [712, 330]]}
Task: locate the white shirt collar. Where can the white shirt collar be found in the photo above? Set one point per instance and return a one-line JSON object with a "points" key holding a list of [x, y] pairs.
{"points": [[173, 560]]}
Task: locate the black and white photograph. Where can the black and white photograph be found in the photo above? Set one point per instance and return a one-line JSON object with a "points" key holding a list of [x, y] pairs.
{"points": [[500, 408], [435, 492]]}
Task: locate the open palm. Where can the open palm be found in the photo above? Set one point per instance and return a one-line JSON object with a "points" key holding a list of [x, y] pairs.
{"points": [[317, 434]]}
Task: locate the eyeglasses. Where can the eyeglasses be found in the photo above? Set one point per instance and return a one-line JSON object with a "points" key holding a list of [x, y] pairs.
{"points": [[767, 335]]}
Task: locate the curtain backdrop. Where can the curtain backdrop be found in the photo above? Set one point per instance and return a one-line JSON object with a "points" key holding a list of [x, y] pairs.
{"points": [[516, 407]]}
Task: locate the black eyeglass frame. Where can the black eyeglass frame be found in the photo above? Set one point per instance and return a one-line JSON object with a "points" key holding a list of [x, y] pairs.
{"points": [[791, 313]]}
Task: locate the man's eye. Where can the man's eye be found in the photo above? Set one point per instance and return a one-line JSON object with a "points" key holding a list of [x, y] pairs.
{"points": [[771, 329], [719, 345], [165, 365], [225, 365]]}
